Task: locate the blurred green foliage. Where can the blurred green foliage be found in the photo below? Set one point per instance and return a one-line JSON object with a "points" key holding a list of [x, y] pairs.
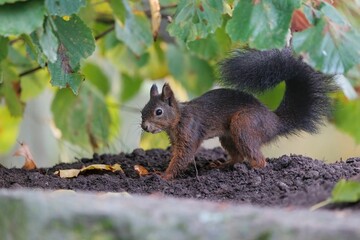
{"points": [[194, 34]]}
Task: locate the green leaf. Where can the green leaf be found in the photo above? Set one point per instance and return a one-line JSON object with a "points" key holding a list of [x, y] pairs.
{"points": [[136, 33], [263, 24], [10, 89], [3, 47], [76, 38], [83, 119], [63, 76], [155, 67], [34, 84], [196, 19], [214, 46], [17, 58], [130, 86], [49, 43], [75, 43], [119, 9], [95, 75], [333, 48], [21, 17], [192, 72], [273, 97], [10, 1], [346, 191], [64, 7], [347, 117], [34, 49], [9, 126]]}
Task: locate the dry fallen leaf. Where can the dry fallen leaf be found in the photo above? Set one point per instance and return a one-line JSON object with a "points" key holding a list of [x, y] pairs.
{"points": [[24, 151], [155, 17], [142, 171], [70, 173]]}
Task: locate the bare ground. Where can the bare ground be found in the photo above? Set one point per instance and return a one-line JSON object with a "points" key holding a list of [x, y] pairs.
{"points": [[288, 181]]}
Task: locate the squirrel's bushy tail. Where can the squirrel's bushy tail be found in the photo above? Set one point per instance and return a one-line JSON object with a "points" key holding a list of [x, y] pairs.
{"points": [[306, 101]]}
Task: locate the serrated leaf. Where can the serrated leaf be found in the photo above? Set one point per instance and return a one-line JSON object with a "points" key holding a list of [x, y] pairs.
{"points": [[136, 33], [83, 119], [64, 7], [75, 43], [347, 117], [119, 9], [214, 46], [3, 47], [49, 43], [95, 75], [196, 19], [33, 48], [63, 76], [192, 72], [333, 48], [21, 17], [76, 38], [346, 191], [263, 24], [10, 89]]}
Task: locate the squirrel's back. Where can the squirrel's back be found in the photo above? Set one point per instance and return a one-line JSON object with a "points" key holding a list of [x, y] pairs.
{"points": [[306, 101]]}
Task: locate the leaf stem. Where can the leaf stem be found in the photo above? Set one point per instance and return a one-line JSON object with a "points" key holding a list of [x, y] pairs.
{"points": [[321, 204]]}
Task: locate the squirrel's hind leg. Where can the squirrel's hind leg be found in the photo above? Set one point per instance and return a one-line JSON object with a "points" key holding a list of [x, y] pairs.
{"points": [[235, 155], [248, 137]]}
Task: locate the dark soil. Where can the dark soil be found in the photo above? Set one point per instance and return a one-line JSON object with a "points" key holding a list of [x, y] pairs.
{"points": [[289, 181]]}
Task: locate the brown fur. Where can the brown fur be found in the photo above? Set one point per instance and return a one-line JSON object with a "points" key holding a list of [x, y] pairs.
{"points": [[241, 122], [243, 126]]}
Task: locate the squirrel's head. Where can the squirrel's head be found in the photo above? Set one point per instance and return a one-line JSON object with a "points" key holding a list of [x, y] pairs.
{"points": [[162, 110]]}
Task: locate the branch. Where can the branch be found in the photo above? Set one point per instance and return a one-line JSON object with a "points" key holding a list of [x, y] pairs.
{"points": [[103, 34], [27, 72], [97, 37], [30, 71]]}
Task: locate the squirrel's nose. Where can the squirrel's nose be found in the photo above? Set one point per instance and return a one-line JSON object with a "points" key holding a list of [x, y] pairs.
{"points": [[144, 126]]}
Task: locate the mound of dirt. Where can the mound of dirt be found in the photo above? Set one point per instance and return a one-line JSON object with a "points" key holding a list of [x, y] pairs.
{"points": [[288, 181]]}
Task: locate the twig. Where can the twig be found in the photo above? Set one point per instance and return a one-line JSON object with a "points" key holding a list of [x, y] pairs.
{"points": [[104, 33], [30, 71], [196, 171]]}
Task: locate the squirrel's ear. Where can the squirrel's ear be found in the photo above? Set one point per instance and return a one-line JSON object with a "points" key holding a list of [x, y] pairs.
{"points": [[167, 94], [154, 91]]}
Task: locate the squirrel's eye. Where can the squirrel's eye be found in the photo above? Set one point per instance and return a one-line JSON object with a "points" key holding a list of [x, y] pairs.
{"points": [[158, 112]]}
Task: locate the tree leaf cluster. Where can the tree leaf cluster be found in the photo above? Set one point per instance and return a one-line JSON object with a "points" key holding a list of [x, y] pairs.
{"points": [[68, 45]]}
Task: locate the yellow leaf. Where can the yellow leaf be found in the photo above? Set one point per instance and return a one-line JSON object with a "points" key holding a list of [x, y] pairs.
{"points": [[155, 17], [70, 173], [24, 151], [113, 168]]}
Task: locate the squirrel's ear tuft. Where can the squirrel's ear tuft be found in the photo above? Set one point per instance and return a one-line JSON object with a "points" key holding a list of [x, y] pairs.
{"points": [[167, 94], [154, 91]]}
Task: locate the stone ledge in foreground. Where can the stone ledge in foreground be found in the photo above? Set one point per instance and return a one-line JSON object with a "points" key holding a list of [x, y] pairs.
{"points": [[26, 214]]}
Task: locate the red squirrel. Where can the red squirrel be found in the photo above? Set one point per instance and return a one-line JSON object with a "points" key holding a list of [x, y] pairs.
{"points": [[241, 122]]}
